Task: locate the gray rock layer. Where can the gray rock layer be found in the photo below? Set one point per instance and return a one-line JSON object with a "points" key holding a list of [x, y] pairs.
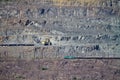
{"points": [[73, 30]]}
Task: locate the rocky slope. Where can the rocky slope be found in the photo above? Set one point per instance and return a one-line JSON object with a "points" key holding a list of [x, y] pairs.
{"points": [[73, 27]]}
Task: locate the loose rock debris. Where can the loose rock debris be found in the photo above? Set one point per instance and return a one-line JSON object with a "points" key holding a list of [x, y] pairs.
{"points": [[36, 32]]}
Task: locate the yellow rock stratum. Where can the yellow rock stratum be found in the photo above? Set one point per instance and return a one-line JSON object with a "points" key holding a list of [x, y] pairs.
{"points": [[73, 2]]}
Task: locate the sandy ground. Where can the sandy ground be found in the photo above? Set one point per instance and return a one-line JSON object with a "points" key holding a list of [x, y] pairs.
{"points": [[62, 69]]}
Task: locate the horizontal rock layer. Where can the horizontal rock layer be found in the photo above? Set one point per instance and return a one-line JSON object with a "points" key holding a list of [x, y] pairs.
{"points": [[73, 27]]}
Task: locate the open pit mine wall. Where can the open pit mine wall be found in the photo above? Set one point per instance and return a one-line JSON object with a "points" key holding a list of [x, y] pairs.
{"points": [[84, 28]]}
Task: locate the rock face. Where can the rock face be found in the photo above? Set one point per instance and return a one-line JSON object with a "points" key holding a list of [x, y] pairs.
{"points": [[35, 36], [84, 28]]}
